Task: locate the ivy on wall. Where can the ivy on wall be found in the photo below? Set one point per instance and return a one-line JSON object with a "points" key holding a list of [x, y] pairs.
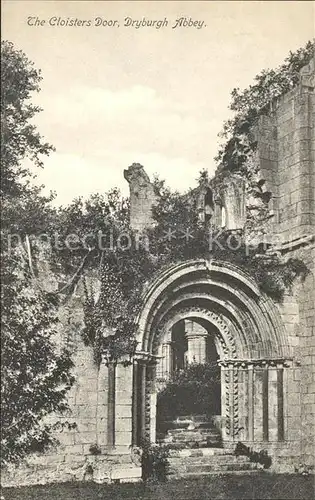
{"points": [[239, 141]]}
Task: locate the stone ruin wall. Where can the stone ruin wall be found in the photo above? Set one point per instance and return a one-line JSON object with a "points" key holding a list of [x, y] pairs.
{"points": [[286, 154], [142, 197], [72, 459], [286, 150]]}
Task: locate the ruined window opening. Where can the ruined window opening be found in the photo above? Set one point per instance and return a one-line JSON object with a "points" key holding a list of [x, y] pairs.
{"points": [[208, 205], [209, 198]]}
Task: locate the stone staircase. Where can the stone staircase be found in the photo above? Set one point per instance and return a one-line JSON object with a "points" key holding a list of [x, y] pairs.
{"points": [[196, 448], [191, 431], [205, 461]]}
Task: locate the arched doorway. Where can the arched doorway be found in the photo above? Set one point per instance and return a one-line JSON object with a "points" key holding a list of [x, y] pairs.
{"points": [[250, 344], [188, 385]]}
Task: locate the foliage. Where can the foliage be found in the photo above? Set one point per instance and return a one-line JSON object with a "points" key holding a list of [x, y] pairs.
{"points": [[248, 105], [24, 209], [19, 138], [87, 227], [124, 268], [95, 449], [304, 469], [35, 376], [110, 321], [192, 391], [35, 373], [260, 457], [154, 461]]}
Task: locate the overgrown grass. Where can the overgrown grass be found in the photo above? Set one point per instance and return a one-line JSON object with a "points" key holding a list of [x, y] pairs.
{"points": [[225, 487]]}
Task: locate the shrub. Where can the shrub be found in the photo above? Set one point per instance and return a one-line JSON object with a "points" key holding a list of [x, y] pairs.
{"points": [[95, 449], [154, 461], [192, 391], [259, 457]]}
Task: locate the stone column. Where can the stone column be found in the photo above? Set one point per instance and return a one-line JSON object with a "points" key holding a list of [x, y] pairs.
{"points": [[273, 402], [258, 402], [250, 381], [265, 403], [196, 348], [123, 406], [218, 212], [242, 407], [280, 400], [167, 360], [231, 389], [143, 399], [226, 401], [153, 399], [234, 203], [111, 404], [135, 404]]}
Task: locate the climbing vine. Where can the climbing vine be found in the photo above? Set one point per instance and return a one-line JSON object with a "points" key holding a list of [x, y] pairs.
{"points": [[235, 153]]}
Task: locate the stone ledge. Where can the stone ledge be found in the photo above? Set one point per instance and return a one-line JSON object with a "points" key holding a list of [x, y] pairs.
{"points": [[99, 469]]}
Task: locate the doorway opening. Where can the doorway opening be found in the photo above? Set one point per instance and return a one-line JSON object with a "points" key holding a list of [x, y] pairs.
{"points": [[188, 386]]}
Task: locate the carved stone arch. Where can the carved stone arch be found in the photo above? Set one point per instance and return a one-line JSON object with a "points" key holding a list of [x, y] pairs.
{"points": [[247, 327], [262, 312], [234, 325], [226, 340]]}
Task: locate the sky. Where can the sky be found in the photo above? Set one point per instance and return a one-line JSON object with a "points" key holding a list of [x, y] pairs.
{"points": [[117, 95]]}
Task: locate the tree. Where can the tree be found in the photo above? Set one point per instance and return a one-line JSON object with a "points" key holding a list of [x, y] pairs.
{"points": [[19, 137], [35, 373]]}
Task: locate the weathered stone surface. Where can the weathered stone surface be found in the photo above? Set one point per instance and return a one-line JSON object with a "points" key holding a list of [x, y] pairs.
{"points": [[142, 197]]}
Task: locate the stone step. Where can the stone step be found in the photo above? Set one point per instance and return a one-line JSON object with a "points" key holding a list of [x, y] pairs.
{"points": [[192, 418], [208, 461], [196, 439], [216, 459], [193, 437], [219, 467], [204, 466], [251, 472], [192, 445], [178, 426], [203, 452], [186, 469], [199, 430], [187, 424]]}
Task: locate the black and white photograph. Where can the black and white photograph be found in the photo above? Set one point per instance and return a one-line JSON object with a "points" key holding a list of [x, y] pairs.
{"points": [[157, 250]]}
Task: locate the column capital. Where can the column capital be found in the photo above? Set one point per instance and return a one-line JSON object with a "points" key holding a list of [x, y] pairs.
{"points": [[196, 335], [259, 363], [145, 357]]}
